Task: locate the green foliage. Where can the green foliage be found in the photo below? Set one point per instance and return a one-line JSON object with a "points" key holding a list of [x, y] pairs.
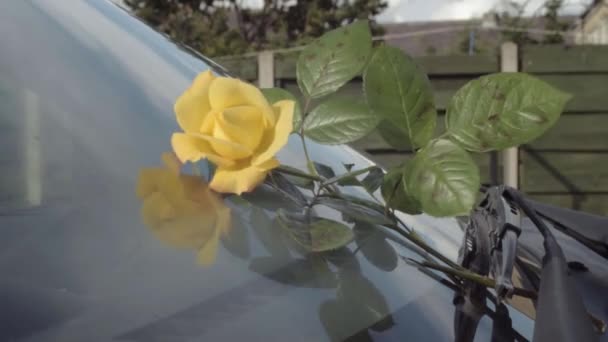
{"points": [[553, 22], [490, 113], [502, 110], [331, 61], [339, 120], [355, 211], [395, 192], [400, 92], [316, 234], [227, 27], [443, 178]]}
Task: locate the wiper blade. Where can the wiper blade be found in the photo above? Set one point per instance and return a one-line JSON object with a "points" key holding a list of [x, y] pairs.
{"points": [[489, 247], [590, 230], [560, 312]]}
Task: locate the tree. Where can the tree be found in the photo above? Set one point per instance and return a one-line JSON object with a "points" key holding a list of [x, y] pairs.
{"points": [[553, 22], [511, 17], [228, 27]]}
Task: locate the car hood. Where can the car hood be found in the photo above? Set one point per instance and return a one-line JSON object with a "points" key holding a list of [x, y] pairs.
{"points": [[86, 97]]}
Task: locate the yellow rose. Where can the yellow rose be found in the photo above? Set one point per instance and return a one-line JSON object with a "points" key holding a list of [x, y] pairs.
{"points": [[230, 123], [181, 210]]}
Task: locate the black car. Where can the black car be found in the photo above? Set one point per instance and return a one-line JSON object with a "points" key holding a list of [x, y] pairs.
{"points": [[86, 103]]}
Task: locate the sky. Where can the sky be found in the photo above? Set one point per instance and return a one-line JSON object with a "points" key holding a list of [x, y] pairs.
{"points": [[423, 10]]}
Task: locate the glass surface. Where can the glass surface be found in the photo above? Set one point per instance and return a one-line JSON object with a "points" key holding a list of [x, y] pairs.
{"points": [[86, 96]]}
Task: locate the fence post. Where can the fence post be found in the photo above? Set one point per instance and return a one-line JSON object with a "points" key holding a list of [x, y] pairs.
{"points": [[266, 69], [510, 157]]}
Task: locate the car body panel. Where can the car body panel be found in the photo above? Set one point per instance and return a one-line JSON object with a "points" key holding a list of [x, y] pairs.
{"points": [[86, 97]]}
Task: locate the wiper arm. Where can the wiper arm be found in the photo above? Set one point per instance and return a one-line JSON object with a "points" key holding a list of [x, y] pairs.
{"points": [[490, 242], [560, 312]]}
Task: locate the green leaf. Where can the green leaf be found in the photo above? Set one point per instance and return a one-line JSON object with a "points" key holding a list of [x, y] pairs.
{"points": [[339, 120], [502, 110], [349, 176], [324, 170], [267, 197], [329, 234], [335, 58], [443, 178], [309, 273], [399, 91], [267, 233], [237, 240], [282, 184], [372, 243], [395, 194], [355, 211], [373, 180], [315, 233], [394, 136], [277, 94]]}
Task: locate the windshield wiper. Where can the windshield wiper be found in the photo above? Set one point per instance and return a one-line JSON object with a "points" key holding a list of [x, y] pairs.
{"points": [[489, 247]]}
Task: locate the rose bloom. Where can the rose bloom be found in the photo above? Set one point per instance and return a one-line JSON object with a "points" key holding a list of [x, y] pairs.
{"points": [[181, 210], [230, 123]]}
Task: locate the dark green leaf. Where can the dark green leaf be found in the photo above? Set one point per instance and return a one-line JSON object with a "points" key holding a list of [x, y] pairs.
{"points": [[277, 94], [339, 120], [395, 194], [355, 211], [324, 170], [282, 184], [301, 182], [315, 233], [329, 234], [394, 136], [267, 197], [335, 58], [350, 176], [349, 166], [373, 180], [267, 233], [443, 178], [363, 300], [398, 91], [498, 111], [310, 272], [237, 240], [372, 243]]}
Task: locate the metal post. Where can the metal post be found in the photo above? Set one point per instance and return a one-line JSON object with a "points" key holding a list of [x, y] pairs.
{"points": [[510, 156], [266, 69], [32, 146]]}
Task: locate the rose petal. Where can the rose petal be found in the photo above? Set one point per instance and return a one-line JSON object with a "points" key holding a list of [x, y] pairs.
{"points": [[241, 180], [228, 92], [193, 148], [193, 105], [243, 125], [273, 141], [225, 147]]}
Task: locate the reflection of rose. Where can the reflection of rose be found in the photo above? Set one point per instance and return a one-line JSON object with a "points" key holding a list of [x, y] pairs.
{"points": [[181, 210], [230, 123]]}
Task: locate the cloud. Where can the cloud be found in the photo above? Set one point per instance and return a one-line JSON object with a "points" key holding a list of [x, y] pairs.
{"points": [[462, 9], [422, 10]]}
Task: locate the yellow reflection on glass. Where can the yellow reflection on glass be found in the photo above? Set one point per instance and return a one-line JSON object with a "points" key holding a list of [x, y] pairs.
{"points": [[181, 210]]}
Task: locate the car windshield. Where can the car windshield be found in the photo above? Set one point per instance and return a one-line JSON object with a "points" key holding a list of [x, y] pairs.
{"points": [[86, 106]]}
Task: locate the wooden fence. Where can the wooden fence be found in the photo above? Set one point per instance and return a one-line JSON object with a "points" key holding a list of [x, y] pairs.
{"points": [[568, 166]]}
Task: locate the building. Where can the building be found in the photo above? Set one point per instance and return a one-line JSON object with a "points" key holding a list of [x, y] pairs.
{"points": [[593, 26], [476, 36]]}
